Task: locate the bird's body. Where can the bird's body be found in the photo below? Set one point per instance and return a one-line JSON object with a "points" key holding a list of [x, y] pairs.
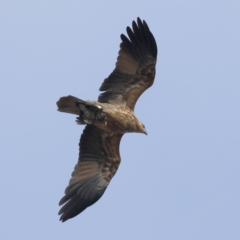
{"points": [[108, 119], [120, 118]]}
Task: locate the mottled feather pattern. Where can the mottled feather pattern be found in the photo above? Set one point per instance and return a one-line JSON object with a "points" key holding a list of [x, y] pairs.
{"points": [[108, 119], [137, 56], [94, 170], [111, 148]]}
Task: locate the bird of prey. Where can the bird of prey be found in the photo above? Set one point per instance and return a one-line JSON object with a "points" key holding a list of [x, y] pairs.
{"points": [[108, 119]]}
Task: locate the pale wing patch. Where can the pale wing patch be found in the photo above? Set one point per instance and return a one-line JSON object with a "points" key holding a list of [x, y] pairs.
{"points": [[135, 63], [118, 101], [126, 63], [83, 170], [87, 121]]}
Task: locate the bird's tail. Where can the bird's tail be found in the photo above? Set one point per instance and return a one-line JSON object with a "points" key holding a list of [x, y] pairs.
{"points": [[68, 105], [88, 111]]}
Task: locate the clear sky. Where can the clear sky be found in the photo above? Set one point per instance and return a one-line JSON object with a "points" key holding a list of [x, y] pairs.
{"points": [[182, 181]]}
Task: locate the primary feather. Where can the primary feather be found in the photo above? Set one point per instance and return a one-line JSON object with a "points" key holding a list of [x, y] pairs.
{"points": [[108, 119]]}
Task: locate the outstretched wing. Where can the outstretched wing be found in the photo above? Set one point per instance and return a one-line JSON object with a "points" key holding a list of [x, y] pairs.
{"points": [[99, 159], [135, 67]]}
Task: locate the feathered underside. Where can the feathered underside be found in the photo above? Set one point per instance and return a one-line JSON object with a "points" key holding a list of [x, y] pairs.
{"points": [[99, 156], [98, 162], [135, 67]]}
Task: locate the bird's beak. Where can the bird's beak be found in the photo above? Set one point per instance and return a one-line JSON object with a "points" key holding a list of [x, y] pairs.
{"points": [[145, 132]]}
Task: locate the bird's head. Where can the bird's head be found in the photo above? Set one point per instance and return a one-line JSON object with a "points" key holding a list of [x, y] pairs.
{"points": [[141, 128]]}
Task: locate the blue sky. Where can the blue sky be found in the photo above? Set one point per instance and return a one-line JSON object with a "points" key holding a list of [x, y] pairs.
{"points": [[179, 182]]}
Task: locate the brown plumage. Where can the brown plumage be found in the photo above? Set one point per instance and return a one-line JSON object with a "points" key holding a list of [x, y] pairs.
{"points": [[108, 119]]}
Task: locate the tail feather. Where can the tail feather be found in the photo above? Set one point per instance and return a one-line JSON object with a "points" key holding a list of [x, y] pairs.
{"points": [[68, 105], [88, 111]]}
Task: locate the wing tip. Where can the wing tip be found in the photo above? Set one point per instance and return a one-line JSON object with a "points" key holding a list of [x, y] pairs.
{"points": [[75, 206], [138, 35]]}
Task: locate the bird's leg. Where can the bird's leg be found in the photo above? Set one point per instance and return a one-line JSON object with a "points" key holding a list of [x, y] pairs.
{"points": [[105, 121]]}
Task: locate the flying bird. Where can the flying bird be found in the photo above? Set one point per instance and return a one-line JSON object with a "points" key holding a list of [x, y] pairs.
{"points": [[108, 119]]}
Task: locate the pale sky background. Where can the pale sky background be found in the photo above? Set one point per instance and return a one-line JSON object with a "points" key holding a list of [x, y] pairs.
{"points": [[182, 181]]}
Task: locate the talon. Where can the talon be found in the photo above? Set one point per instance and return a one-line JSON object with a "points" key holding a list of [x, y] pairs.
{"points": [[105, 121]]}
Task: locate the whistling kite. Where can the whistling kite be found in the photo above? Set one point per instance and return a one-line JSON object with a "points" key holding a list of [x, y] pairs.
{"points": [[108, 119]]}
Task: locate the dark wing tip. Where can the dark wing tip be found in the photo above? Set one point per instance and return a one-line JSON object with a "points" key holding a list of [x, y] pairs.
{"points": [[139, 36], [76, 205], [72, 208], [138, 51]]}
